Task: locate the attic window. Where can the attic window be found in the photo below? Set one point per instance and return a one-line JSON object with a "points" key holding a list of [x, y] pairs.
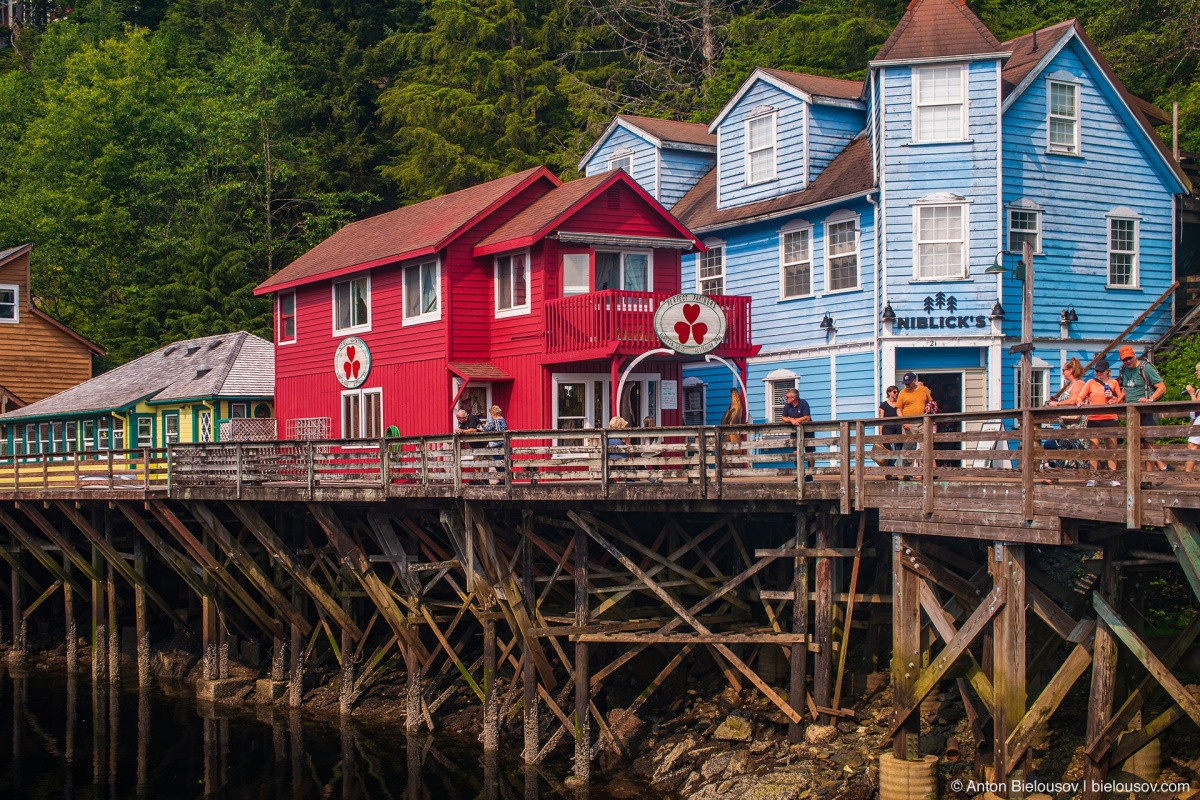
{"points": [[613, 196], [216, 344], [170, 350], [203, 370], [192, 349]]}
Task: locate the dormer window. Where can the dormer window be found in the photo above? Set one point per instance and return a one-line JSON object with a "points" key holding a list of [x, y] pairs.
{"points": [[939, 107], [1063, 125], [10, 312], [352, 305], [622, 159], [760, 146]]}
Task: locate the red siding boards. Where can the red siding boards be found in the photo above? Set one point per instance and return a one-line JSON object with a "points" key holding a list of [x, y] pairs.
{"points": [[410, 363]]}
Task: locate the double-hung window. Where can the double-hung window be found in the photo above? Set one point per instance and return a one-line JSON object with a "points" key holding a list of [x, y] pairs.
{"points": [[286, 332], [10, 296], [795, 261], [352, 305], [939, 111], [1063, 112], [710, 269], [422, 292], [89, 434], [760, 147], [1024, 225], [145, 432], [362, 414], [841, 253], [512, 284], [941, 242], [1123, 251], [627, 270], [777, 389]]}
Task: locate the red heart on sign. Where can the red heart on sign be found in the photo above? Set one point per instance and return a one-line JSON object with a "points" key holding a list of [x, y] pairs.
{"points": [[682, 329], [350, 353], [354, 365], [698, 331], [691, 311], [346, 369]]}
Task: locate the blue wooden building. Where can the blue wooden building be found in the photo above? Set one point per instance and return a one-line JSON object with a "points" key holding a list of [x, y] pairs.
{"points": [[861, 216]]}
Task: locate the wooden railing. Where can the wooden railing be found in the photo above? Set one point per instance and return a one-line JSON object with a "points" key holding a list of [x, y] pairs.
{"points": [[1016, 449], [603, 319]]}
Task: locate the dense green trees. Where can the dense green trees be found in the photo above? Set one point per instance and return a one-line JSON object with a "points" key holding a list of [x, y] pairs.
{"points": [[166, 156]]}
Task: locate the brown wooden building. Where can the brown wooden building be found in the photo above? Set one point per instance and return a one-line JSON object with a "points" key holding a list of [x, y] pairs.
{"points": [[39, 356]]}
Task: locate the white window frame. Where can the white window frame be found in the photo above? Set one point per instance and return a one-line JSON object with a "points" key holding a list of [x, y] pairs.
{"points": [[571, 290], [1076, 119], [280, 335], [1041, 385], [71, 436], [693, 390], [145, 438], [919, 103], [233, 410], [88, 433], [615, 160], [843, 217], [423, 316], [349, 283], [770, 116], [166, 428], [649, 254], [1123, 215], [1015, 247], [716, 246], [791, 229], [513, 310], [919, 210], [16, 303], [103, 433], [118, 434], [362, 421], [778, 382]]}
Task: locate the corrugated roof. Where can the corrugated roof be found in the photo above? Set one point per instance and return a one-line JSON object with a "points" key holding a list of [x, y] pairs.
{"points": [[227, 365], [668, 130], [847, 175], [935, 29], [415, 230], [818, 85]]}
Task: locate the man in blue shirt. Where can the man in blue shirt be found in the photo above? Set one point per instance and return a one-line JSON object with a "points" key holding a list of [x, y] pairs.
{"points": [[797, 412]]}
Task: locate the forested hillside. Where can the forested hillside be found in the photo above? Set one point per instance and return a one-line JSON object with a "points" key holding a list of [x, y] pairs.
{"points": [[166, 156]]}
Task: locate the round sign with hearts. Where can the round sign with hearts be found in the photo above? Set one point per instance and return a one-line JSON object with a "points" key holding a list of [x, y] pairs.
{"points": [[352, 362], [690, 323]]}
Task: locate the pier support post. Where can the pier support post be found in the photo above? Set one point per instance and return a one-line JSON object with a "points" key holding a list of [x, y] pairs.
{"points": [[906, 647], [528, 669], [17, 595], [110, 592], [799, 652], [823, 617], [99, 632], [71, 639], [295, 691], [139, 610], [491, 703], [1007, 566], [583, 727], [1104, 672], [347, 694]]}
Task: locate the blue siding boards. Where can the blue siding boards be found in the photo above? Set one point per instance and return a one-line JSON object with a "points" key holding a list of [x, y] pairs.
{"points": [[678, 171], [790, 164], [623, 141], [855, 385], [814, 385], [830, 129], [1112, 175], [916, 359], [719, 381]]}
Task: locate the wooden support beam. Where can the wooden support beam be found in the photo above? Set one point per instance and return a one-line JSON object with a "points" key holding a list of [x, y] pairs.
{"points": [[529, 710], [943, 623], [281, 554], [1104, 673], [823, 616], [849, 619], [1185, 541], [42, 557], [214, 570], [906, 648], [798, 657], [1008, 671], [583, 694]]}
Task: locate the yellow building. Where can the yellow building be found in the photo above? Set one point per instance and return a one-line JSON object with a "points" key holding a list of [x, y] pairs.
{"points": [[218, 388]]}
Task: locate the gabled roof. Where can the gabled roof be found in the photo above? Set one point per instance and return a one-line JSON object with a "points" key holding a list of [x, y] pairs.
{"points": [[227, 365], [663, 133], [937, 29], [552, 209], [418, 230], [809, 88], [848, 175], [13, 252], [1033, 51]]}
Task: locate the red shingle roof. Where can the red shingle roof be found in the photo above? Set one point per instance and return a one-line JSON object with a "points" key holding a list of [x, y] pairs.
{"points": [[937, 28], [818, 85], [478, 370], [848, 174], [668, 130], [408, 232]]}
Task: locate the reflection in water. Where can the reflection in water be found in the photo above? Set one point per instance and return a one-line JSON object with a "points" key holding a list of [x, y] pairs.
{"points": [[150, 744]]}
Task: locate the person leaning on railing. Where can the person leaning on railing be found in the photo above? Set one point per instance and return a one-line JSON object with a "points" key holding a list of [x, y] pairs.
{"points": [[913, 401]]}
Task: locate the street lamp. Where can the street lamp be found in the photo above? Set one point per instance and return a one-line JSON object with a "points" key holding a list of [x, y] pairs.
{"points": [[1024, 273]]}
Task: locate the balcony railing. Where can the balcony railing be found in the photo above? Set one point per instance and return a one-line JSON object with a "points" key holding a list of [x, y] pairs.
{"points": [[623, 322]]}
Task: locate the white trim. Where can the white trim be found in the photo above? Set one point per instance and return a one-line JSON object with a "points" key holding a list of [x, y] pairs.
{"points": [[795, 226], [620, 154], [899, 62], [349, 281], [428, 316], [1135, 271], [795, 353], [771, 116], [1076, 147], [633, 128], [279, 340], [657, 174], [840, 217], [622, 252], [712, 245], [916, 239], [720, 148], [833, 383], [362, 410], [778, 379], [513, 310], [589, 379], [759, 75], [787, 212], [16, 303], [963, 101], [1006, 245]]}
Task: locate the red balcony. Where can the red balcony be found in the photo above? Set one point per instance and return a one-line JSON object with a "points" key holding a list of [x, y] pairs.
{"points": [[601, 324]]}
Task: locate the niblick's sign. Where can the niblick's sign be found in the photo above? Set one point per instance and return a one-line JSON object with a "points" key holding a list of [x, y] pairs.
{"points": [[692, 324], [940, 314]]}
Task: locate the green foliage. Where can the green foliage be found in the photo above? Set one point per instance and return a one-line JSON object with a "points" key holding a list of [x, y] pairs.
{"points": [[1178, 368]]}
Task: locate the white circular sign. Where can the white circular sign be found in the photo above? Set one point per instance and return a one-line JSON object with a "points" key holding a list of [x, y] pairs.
{"points": [[352, 362], [692, 324]]}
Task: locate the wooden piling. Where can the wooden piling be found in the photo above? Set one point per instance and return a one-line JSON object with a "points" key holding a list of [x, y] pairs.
{"points": [[823, 617], [1104, 673], [797, 687], [1007, 567], [583, 728], [906, 647], [529, 712], [99, 631], [71, 636]]}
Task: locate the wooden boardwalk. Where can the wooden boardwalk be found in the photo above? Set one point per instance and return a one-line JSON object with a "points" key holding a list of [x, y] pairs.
{"points": [[526, 572]]}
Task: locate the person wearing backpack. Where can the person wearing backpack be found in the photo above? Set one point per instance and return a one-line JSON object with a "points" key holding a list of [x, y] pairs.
{"points": [[1103, 390], [1141, 383]]}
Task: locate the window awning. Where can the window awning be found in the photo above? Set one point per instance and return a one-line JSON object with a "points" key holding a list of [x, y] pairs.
{"points": [[617, 240], [480, 371]]}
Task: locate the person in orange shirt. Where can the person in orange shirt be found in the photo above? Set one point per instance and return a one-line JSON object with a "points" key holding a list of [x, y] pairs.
{"points": [[912, 401], [1103, 390]]}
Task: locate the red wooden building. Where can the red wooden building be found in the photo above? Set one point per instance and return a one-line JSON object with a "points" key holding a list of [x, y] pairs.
{"points": [[523, 291]]}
